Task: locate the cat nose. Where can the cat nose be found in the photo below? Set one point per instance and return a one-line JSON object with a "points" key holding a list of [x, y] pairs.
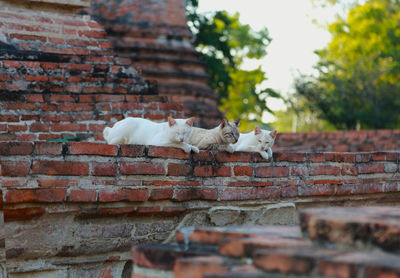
{"points": [[181, 139]]}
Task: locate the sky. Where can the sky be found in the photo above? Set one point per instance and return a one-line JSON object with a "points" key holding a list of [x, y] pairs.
{"points": [[294, 37]]}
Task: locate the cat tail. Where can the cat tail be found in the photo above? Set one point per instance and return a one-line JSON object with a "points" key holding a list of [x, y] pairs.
{"points": [[106, 132]]}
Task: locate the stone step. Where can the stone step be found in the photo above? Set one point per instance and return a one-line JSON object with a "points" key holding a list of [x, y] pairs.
{"points": [[376, 227]]}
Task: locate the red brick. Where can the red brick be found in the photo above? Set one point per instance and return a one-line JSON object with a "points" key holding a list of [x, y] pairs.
{"points": [[340, 157], [48, 148], [92, 149], [23, 214], [68, 127], [82, 195], [199, 267], [142, 168], [34, 98], [349, 170], [132, 150], [195, 193], [48, 65], [316, 157], [212, 171], [117, 195], [49, 195], [20, 106], [270, 171], [57, 168], [15, 168], [167, 152], [57, 182], [235, 157], [17, 128], [178, 169], [105, 168], [26, 137], [290, 157], [11, 64], [30, 117], [203, 156], [161, 194], [76, 107], [316, 190], [9, 118], [324, 170], [299, 170], [16, 148], [243, 171], [39, 127], [371, 168]]}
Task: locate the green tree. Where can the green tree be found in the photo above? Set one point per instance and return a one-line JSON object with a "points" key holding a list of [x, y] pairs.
{"points": [[224, 43], [358, 83]]}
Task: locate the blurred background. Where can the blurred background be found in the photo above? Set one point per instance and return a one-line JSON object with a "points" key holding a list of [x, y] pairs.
{"points": [[304, 65]]}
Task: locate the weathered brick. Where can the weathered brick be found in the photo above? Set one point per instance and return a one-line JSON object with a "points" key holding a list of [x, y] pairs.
{"points": [[178, 169], [243, 171], [161, 194], [105, 168], [48, 148], [133, 150], [166, 152], [16, 148], [15, 168], [57, 168], [123, 194], [271, 171], [92, 149], [371, 168], [82, 195], [195, 193], [23, 214], [48, 195], [324, 170], [142, 168]]}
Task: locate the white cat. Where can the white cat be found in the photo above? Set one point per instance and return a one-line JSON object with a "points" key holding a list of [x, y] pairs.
{"points": [[259, 141], [174, 133]]}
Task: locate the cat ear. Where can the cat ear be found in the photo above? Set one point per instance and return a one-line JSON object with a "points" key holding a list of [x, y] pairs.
{"points": [[190, 121], [171, 121], [273, 133], [224, 123], [257, 130], [237, 122]]}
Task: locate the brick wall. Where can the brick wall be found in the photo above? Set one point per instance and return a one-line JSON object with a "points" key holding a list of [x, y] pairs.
{"points": [[93, 201], [154, 35], [330, 243], [340, 141], [59, 76]]}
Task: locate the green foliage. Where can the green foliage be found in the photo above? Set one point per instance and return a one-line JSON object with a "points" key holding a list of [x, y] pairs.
{"points": [[358, 85], [224, 43]]}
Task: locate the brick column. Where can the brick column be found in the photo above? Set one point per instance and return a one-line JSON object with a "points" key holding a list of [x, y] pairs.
{"points": [[154, 35]]}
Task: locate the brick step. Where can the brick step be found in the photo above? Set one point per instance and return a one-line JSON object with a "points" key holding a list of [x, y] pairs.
{"points": [[282, 251], [376, 226], [161, 256]]}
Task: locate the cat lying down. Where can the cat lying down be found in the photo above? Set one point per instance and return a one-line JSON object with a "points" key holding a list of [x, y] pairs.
{"points": [[174, 133], [218, 138], [260, 141], [180, 133]]}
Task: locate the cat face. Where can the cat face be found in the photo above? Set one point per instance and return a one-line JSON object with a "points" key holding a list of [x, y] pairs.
{"points": [[230, 131], [180, 129], [265, 139]]}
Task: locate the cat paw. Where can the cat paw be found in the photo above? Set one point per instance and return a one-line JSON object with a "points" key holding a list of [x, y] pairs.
{"points": [[264, 155], [186, 149], [195, 149], [230, 149]]}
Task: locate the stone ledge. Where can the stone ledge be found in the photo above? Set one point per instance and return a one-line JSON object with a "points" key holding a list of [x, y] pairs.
{"points": [[274, 251]]}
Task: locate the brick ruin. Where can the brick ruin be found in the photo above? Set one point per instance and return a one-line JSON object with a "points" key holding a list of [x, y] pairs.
{"points": [[74, 209], [329, 243]]}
